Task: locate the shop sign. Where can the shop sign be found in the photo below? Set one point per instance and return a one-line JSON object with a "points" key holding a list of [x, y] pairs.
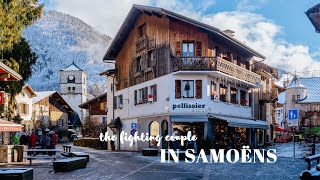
{"points": [[133, 125], [1, 98], [188, 106]]}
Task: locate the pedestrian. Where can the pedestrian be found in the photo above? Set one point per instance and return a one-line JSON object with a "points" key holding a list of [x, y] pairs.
{"points": [[15, 139], [33, 140], [195, 144], [23, 139], [47, 143], [174, 135]]}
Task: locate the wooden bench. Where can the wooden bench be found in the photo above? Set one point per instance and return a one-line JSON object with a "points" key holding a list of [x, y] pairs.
{"points": [[35, 156], [79, 154], [16, 173], [311, 173], [69, 164]]}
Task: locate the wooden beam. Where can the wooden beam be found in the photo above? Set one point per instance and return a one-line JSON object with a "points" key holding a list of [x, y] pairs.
{"points": [[3, 76]]}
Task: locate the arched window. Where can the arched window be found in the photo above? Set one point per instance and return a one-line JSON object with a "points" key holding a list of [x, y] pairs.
{"points": [[154, 129]]}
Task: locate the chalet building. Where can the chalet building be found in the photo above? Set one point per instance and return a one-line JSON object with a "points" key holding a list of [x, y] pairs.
{"points": [[24, 107], [51, 111], [303, 95], [265, 101], [174, 72], [96, 108]]}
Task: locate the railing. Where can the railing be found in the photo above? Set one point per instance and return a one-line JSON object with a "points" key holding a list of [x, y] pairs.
{"points": [[214, 64], [144, 43]]}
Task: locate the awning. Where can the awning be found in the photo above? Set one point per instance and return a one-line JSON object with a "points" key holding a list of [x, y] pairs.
{"points": [[116, 123], [189, 119], [7, 126], [244, 123]]}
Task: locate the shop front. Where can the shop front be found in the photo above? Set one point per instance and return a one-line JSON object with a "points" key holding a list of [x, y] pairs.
{"points": [[197, 125], [234, 132]]}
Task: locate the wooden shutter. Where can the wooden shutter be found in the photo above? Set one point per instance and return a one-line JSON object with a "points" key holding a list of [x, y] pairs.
{"points": [[135, 97], [115, 102], [154, 93], [142, 98], [178, 89], [178, 48], [198, 89], [198, 48], [145, 95]]}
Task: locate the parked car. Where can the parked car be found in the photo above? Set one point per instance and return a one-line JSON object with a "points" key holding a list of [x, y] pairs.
{"points": [[73, 136]]}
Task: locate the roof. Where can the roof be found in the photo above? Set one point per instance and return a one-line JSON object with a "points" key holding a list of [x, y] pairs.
{"points": [[314, 16], [313, 89], [43, 94], [108, 72], [27, 87], [72, 67], [84, 105], [295, 84], [8, 74], [137, 10]]}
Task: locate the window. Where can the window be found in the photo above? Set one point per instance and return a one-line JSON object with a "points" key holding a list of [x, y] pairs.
{"points": [[103, 106], [298, 97], [213, 90], [60, 122], [73, 88], [243, 98], [104, 120], [223, 93], [188, 89], [293, 97], [154, 130], [141, 31], [69, 88], [233, 95], [145, 95], [23, 108], [150, 58], [138, 65], [119, 100], [188, 49]]}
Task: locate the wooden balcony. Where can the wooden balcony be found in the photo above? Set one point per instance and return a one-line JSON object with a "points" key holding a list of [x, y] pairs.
{"points": [[274, 93], [144, 43], [214, 64], [264, 97]]}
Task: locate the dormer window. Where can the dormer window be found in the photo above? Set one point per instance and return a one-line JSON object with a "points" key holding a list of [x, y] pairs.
{"points": [[141, 31]]}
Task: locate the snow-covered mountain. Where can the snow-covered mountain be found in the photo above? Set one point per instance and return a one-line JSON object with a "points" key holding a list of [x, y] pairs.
{"points": [[59, 39]]}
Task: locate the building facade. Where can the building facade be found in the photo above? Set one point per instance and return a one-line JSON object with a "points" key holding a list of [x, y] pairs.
{"points": [[24, 107], [73, 88], [51, 111], [174, 72]]}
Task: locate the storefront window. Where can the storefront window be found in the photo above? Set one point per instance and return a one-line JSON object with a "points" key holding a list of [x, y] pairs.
{"points": [[234, 95], [213, 90], [183, 129], [154, 131], [188, 89], [223, 93]]}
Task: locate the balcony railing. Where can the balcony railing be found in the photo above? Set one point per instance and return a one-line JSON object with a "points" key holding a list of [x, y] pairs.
{"points": [[144, 43], [264, 97], [214, 64]]}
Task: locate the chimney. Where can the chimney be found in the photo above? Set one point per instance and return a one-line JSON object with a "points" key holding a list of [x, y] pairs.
{"points": [[229, 32]]}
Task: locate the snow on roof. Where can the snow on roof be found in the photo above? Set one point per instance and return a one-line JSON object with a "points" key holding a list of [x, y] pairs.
{"points": [[295, 83], [72, 67], [313, 89], [41, 95]]}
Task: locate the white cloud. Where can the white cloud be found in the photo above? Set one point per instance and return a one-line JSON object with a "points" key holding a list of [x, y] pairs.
{"points": [[261, 34], [253, 29]]}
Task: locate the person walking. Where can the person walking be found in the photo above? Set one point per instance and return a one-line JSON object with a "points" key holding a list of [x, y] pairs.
{"points": [[23, 139], [195, 144], [174, 135], [47, 143]]}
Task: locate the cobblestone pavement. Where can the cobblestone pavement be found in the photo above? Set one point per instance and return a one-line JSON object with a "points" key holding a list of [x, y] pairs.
{"points": [[132, 165]]}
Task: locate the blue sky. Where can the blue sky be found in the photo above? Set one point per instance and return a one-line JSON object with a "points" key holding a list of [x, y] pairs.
{"points": [[279, 29]]}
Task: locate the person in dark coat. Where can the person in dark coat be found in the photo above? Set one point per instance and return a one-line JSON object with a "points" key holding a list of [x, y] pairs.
{"points": [[23, 139]]}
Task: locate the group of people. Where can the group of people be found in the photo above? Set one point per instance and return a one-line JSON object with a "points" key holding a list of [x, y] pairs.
{"points": [[47, 140]]}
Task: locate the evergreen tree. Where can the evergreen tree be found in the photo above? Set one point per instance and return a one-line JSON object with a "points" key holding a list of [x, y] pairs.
{"points": [[14, 16], [21, 59]]}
